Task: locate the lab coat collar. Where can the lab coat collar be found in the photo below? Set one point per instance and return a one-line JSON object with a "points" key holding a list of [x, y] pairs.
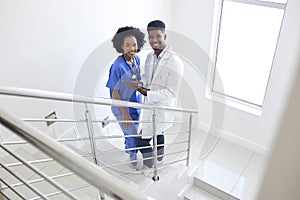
{"points": [[166, 52]]}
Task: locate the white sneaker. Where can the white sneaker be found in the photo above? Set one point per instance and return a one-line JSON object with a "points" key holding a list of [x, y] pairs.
{"points": [[136, 167], [139, 163]]}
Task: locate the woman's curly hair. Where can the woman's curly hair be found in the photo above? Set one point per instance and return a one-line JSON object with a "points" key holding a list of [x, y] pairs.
{"points": [[126, 31]]}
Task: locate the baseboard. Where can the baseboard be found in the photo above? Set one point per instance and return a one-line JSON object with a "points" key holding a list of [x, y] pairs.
{"points": [[245, 143], [237, 140]]}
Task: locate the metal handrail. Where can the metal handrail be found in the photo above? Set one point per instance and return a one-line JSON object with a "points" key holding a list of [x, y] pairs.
{"points": [[59, 192], [18, 142], [80, 166], [7, 185], [48, 148], [23, 181], [49, 95], [94, 121], [18, 184], [102, 153]]}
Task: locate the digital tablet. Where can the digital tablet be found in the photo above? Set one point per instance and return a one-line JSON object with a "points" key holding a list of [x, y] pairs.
{"points": [[134, 84]]}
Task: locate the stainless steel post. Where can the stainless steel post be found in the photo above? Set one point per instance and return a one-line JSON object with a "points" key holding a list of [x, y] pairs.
{"points": [[189, 140], [155, 177], [88, 118]]}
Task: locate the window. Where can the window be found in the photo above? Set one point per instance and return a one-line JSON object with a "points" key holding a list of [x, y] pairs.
{"points": [[247, 37]]}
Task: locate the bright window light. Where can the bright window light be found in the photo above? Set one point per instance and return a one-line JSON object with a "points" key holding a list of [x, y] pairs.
{"points": [[247, 42]]}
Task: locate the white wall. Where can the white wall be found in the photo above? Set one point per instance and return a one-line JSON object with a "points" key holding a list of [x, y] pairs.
{"points": [[45, 44], [194, 20], [281, 179]]}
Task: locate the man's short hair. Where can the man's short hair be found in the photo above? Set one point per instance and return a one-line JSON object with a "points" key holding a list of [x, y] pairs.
{"points": [[156, 25]]}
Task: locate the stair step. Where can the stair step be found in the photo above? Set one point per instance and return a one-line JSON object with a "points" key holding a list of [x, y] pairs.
{"points": [[196, 193], [218, 179], [213, 189], [172, 180]]}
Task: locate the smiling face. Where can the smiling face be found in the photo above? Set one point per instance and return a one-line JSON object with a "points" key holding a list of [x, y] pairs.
{"points": [[157, 39], [129, 47]]}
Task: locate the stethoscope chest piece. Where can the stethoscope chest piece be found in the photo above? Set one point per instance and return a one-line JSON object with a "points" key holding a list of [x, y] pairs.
{"points": [[137, 69]]}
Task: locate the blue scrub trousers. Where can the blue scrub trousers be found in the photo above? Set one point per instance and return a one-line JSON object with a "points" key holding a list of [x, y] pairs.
{"points": [[130, 142]]}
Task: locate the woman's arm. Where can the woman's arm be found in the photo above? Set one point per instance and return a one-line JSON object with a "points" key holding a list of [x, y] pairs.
{"points": [[125, 114]]}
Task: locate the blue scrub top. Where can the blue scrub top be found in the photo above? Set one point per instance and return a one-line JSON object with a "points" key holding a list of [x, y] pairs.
{"points": [[121, 70]]}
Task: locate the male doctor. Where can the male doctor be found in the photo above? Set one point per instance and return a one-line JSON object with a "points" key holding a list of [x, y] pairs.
{"points": [[163, 74]]}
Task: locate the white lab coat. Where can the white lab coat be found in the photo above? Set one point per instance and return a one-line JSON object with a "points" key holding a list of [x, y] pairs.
{"points": [[164, 88]]}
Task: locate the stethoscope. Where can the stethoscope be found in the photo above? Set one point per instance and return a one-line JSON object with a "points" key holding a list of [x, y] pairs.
{"points": [[137, 71]]}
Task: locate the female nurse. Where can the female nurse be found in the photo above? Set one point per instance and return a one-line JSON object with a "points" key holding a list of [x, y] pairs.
{"points": [[126, 68]]}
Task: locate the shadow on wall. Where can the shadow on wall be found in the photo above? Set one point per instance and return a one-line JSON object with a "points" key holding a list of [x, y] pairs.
{"points": [[93, 75]]}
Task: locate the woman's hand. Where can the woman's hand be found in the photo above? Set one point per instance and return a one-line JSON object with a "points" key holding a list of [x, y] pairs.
{"points": [[125, 114], [126, 117]]}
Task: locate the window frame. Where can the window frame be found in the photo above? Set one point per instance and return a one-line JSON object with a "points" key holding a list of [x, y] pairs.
{"points": [[231, 101]]}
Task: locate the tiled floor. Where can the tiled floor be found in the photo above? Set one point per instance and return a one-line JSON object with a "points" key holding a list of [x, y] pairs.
{"points": [[232, 168], [229, 167]]}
